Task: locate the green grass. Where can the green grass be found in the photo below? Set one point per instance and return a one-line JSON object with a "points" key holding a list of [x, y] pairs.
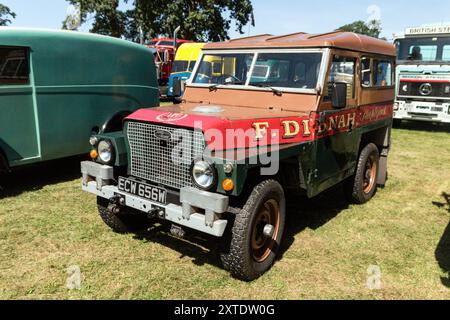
{"points": [[47, 224]]}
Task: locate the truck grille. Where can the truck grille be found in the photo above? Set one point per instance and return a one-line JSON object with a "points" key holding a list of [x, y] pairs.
{"points": [[163, 155], [437, 90]]}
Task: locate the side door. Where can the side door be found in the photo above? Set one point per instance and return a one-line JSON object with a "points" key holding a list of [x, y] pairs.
{"points": [[337, 143], [18, 134]]}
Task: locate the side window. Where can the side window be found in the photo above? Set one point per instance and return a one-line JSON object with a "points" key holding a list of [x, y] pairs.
{"points": [[376, 73], [342, 71], [14, 68], [366, 72], [382, 73]]}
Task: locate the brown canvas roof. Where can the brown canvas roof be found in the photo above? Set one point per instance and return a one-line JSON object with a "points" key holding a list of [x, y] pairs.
{"points": [[337, 39]]}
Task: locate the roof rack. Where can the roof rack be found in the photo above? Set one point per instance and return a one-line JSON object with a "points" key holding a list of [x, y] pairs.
{"points": [[286, 36], [251, 37]]}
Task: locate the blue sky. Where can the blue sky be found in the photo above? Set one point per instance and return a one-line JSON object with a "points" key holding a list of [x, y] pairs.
{"points": [[281, 16]]}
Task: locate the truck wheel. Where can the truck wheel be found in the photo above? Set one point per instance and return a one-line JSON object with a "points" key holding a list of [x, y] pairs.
{"points": [[362, 186], [123, 222], [397, 123], [256, 232]]}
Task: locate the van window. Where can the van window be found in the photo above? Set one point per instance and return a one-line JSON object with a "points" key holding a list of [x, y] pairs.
{"points": [[376, 73], [13, 66], [342, 71]]}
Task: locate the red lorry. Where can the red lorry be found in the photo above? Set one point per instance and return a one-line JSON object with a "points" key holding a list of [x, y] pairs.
{"points": [[165, 50]]}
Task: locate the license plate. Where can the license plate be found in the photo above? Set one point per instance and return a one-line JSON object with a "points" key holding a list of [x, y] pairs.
{"points": [[143, 190]]}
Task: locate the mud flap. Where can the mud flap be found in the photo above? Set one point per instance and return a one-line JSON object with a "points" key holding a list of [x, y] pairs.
{"points": [[382, 170], [383, 164]]}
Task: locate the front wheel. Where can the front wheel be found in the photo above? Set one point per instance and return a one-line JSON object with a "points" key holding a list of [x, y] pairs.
{"points": [[123, 221], [362, 186], [397, 123], [256, 233]]}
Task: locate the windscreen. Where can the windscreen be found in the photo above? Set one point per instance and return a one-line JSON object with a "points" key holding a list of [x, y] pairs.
{"points": [[424, 49], [287, 70], [224, 68], [284, 70]]}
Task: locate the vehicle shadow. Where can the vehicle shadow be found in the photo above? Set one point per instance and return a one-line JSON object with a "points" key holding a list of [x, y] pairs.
{"points": [[424, 126], [302, 213], [35, 177], [442, 252]]}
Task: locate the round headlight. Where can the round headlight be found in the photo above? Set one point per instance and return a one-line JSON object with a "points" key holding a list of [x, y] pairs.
{"points": [[203, 174], [105, 151]]}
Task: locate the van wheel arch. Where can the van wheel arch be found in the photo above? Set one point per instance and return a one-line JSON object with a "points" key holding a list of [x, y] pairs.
{"points": [[115, 123], [4, 164]]}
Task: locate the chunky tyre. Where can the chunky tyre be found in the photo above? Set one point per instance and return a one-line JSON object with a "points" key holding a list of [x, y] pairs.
{"points": [[122, 222], [397, 123], [255, 234], [362, 186]]}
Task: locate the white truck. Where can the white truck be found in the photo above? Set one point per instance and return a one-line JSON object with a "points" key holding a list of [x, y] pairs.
{"points": [[423, 75]]}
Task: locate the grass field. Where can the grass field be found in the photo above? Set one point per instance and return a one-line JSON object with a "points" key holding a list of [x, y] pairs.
{"points": [[47, 224]]}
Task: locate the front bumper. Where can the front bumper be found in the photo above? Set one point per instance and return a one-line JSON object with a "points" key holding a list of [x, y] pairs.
{"points": [[97, 179], [422, 111]]}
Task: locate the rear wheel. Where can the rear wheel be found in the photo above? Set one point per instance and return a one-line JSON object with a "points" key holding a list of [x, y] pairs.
{"points": [[256, 232], [362, 186], [121, 221]]}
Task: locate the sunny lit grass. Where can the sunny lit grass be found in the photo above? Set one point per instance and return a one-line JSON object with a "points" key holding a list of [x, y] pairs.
{"points": [[47, 224]]}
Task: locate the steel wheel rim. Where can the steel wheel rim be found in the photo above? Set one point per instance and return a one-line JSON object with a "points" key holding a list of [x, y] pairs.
{"points": [[261, 246], [370, 174]]}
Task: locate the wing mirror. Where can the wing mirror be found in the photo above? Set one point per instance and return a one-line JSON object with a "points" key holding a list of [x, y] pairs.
{"points": [[177, 89], [339, 95]]}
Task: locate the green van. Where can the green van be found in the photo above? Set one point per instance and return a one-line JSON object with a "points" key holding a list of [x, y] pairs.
{"points": [[58, 87]]}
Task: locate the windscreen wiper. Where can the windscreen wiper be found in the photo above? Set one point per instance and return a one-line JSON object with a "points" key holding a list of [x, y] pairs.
{"points": [[214, 87], [277, 92]]}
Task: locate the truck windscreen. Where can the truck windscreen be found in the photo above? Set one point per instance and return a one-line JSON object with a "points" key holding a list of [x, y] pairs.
{"points": [[423, 49]]}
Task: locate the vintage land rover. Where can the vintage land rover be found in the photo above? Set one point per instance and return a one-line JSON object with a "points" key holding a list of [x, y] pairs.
{"points": [[296, 112]]}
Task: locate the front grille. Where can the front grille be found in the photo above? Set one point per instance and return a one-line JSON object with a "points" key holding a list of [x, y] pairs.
{"points": [[413, 89], [163, 155]]}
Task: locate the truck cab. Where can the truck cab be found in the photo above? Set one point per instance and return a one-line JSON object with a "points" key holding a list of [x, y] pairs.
{"points": [[164, 56], [261, 117], [184, 63], [423, 73]]}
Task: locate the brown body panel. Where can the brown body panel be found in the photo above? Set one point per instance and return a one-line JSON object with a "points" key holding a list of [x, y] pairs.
{"points": [[251, 100]]}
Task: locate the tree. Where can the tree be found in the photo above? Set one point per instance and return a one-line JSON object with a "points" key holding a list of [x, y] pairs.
{"points": [[371, 28], [201, 20], [6, 15], [107, 18]]}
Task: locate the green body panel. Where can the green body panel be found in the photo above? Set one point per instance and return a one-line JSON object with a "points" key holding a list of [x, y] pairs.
{"points": [[77, 83]]}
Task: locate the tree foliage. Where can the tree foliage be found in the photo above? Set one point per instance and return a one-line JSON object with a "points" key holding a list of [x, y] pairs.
{"points": [[6, 15], [372, 28], [201, 20]]}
